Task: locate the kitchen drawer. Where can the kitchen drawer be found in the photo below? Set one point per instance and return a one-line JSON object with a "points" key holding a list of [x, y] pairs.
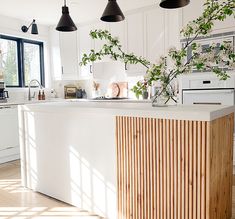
{"points": [[210, 96], [207, 83]]}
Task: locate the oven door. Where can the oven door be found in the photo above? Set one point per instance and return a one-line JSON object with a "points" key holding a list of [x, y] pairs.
{"points": [[209, 96]]}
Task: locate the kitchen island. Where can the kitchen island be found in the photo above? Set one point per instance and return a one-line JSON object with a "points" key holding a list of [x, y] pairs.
{"points": [[130, 160]]}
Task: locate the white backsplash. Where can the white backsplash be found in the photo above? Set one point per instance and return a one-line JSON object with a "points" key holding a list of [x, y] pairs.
{"points": [[21, 94]]}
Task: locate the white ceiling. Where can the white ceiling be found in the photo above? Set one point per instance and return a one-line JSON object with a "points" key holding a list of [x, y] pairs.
{"points": [[48, 12]]}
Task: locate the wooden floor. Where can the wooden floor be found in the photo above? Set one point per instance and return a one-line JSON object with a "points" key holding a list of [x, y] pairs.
{"points": [[19, 203]]}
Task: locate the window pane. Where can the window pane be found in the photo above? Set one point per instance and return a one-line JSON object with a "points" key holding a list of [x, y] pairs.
{"points": [[31, 62], [9, 62]]}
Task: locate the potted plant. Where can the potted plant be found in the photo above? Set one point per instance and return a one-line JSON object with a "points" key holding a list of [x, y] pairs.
{"points": [[141, 89]]}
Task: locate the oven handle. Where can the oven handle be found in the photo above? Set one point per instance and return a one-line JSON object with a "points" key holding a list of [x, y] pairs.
{"points": [[228, 91]]}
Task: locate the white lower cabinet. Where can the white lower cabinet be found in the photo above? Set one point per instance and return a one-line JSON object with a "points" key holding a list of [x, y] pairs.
{"points": [[9, 134]]}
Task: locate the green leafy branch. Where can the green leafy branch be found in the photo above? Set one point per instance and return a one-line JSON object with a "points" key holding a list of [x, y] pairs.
{"points": [[113, 49], [216, 59]]}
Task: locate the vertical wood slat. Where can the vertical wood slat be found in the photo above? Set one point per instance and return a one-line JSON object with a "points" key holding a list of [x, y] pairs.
{"points": [[170, 169]]}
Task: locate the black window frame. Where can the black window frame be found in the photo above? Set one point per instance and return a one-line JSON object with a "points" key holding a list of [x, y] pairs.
{"points": [[20, 59]]}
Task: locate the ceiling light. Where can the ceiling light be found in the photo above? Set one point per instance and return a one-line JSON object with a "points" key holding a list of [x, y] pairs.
{"points": [[112, 12], [171, 4], [66, 23], [34, 29]]}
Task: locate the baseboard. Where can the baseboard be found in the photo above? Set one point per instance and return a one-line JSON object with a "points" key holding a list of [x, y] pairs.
{"points": [[9, 154]]}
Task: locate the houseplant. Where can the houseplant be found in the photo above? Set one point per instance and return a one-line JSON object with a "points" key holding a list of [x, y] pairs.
{"points": [[214, 58]]}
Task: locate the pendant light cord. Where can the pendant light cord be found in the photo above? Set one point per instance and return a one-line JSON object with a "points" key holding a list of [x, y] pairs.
{"points": [[64, 2]]}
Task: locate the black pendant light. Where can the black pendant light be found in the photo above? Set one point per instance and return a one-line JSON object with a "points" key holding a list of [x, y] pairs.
{"points": [[171, 4], [66, 23], [34, 29], [112, 12]]}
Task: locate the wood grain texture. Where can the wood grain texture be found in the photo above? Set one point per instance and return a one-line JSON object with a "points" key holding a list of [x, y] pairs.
{"points": [[172, 169]]}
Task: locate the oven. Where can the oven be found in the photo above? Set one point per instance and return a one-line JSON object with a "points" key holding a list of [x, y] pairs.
{"points": [[223, 96], [206, 88]]}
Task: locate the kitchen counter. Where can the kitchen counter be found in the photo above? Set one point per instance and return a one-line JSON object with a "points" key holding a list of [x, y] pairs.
{"points": [[23, 102], [121, 159], [143, 109]]}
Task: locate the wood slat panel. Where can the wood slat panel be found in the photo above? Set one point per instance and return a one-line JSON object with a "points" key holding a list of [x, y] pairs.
{"points": [[171, 169]]}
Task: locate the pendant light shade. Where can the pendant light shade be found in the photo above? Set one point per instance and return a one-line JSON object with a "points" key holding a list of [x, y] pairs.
{"points": [[171, 4], [112, 12], [66, 23]]}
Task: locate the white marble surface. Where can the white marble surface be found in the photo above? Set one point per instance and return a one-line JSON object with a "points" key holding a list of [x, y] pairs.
{"points": [[138, 109]]}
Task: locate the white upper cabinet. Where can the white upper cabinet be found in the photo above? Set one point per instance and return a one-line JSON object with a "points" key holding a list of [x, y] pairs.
{"points": [[195, 9], [69, 55], [228, 23], [98, 44], [84, 47], [117, 29], [135, 39], [172, 29], [192, 11], [155, 34], [55, 54]]}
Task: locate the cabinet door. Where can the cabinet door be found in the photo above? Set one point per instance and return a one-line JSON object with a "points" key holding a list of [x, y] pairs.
{"points": [[98, 44], [9, 129], [135, 40], [85, 45], [155, 34], [55, 54], [69, 56], [192, 11], [117, 29], [195, 9], [172, 32]]}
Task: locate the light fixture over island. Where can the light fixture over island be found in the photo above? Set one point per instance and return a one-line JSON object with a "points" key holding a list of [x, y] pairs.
{"points": [[172, 162]]}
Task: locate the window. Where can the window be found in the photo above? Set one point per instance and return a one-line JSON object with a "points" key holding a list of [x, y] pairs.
{"points": [[22, 61]]}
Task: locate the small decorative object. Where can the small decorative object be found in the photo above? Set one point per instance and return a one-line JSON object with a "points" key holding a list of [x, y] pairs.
{"points": [[43, 95], [34, 29], [53, 93], [39, 95], [66, 23], [112, 12], [79, 93], [113, 90], [70, 92], [140, 89], [215, 59], [145, 94], [84, 94], [95, 89]]}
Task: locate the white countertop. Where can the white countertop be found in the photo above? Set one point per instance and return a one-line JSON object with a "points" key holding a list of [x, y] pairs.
{"points": [[23, 102], [128, 108]]}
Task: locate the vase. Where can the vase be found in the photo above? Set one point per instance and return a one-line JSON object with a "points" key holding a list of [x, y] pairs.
{"points": [[145, 95], [160, 101], [164, 98]]}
